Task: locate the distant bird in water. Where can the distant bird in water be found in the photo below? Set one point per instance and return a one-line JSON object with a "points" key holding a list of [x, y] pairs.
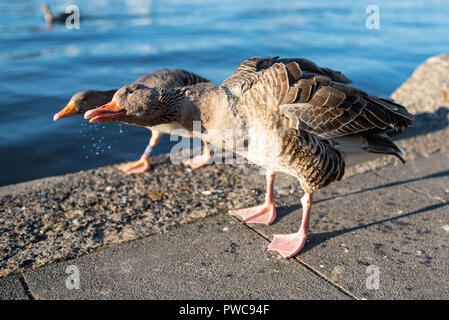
{"points": [[297, 122], [50, 18]]}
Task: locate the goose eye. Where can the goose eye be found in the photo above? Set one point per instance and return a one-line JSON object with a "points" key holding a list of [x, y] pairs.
{"points": [[129, 90]]}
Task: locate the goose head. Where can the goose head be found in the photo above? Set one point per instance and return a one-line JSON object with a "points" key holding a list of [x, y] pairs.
{"points": [[139, 105]]}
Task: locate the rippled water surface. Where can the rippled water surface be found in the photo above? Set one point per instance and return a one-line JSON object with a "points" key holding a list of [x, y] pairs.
{"points": [[119, 40]]}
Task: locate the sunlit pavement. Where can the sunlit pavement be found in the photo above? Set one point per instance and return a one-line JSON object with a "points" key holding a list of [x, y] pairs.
{"points": [[378, 235]]}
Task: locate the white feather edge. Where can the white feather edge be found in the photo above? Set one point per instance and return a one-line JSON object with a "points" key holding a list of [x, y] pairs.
{"points": [[354, 150]]}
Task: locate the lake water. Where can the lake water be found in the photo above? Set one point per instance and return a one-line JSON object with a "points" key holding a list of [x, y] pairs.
{"points": [[119, 40]]}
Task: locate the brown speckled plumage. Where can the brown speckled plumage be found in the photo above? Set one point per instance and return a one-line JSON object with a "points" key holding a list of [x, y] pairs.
{"points": [[248, 68], [161, 99]]}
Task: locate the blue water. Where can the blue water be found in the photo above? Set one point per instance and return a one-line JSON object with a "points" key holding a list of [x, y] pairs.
{"points": [[121, 39]]}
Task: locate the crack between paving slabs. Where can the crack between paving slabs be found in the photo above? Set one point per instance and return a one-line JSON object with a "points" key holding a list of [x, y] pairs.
{"points": [[307, 266]]}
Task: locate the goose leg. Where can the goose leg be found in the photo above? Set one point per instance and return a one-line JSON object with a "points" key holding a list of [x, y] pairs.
{"points": [[265, 213], [289, 245], [144, 163], [201, 160]]}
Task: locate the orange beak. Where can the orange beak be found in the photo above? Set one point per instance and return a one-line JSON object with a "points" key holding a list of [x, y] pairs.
{"points": [[68, 111], [106, 113]]}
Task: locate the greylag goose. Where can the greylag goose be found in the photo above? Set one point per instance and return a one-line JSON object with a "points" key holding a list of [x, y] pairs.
{"points": [[83, 101], [165, 78], [296, 122]]}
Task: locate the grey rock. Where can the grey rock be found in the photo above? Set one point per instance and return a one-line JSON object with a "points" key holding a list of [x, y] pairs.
{"points": [[427, 90]]}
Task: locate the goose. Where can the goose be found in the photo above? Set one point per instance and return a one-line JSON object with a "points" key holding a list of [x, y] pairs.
{"points": [[85, 100], [297, 122]]}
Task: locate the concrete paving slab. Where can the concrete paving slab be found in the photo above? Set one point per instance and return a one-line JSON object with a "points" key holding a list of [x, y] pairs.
{"points": [[216, 258], [12, 289], [384, 229], [428, 175]]}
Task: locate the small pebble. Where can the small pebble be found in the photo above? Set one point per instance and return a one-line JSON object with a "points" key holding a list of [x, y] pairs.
{"points": [[155, 195], [446, 227], [254, 191]]}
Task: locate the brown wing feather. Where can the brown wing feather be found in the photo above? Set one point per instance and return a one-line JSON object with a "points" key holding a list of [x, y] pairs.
{"points": [[309, 66], [243, 77], [330, 109], [267, 89], [246, 72], [313, 102]]}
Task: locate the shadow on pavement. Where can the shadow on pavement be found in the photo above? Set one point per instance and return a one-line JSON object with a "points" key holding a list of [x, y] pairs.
{"points": [[286, 210], [318, 238]]}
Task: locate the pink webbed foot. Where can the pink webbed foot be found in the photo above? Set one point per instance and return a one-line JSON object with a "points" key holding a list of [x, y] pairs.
{"points": [[139, 166], [288, 245], [263, 214], [198, 161]]}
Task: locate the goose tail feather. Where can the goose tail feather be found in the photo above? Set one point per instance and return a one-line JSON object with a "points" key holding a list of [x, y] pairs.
{"points": [[381, 143]]}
